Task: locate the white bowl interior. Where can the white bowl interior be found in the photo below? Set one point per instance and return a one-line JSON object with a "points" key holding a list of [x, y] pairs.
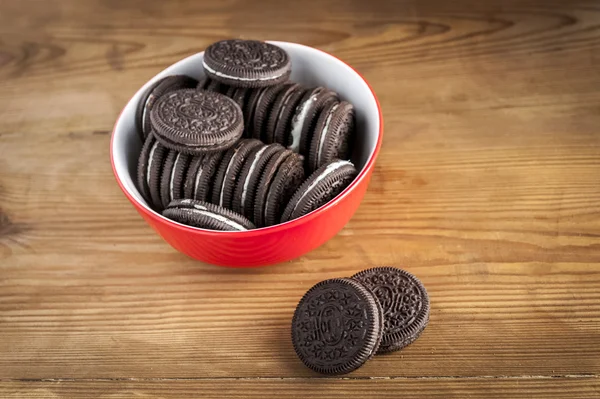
{"points": [[310, 67]]}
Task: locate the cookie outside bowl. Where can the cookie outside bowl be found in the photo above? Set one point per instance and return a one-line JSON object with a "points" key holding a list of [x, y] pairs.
{"points": [[282, 242]]}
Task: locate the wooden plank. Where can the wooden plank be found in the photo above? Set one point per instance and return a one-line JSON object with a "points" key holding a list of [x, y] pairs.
{"points": [[486, 188], [493, 388]]}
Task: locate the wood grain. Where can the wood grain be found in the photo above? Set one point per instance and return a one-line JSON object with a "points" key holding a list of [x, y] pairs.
{"points": [[487, 188], [318, 388]]}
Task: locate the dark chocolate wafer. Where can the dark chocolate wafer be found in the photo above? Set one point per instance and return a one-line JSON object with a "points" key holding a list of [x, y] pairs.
{"points": [[263, 108], [266, 179], [173, 175], [143, 175], [280, 101], [305, 117], [156, 160], [322, 186], [249, 178], [199, 178], [229, 169], [333, 136], [249, 108], [283, 125], [288, 178]]}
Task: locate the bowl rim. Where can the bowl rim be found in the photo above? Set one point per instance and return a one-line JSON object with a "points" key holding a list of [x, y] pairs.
{"points": [[148, 212]]}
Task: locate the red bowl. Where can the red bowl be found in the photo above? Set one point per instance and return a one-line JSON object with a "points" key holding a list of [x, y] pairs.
{"points": [[285, 241]]}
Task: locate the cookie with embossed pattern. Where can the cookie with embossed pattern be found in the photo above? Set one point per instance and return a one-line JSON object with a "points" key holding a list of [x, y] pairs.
{"points": [[405, 304], [196, 121], [154, 92], [246, 63], [322, 186], [337, 326]]}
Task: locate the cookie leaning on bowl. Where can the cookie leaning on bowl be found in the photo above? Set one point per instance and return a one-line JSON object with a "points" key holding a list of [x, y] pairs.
{"points": [[333, 135], [321, 187]]}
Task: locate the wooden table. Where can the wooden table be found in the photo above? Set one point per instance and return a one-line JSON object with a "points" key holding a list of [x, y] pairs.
{"points": [[487, 188]]}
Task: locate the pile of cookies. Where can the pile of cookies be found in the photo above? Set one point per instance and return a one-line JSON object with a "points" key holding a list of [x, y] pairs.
{"points": [[341, 323], [244, 147]]}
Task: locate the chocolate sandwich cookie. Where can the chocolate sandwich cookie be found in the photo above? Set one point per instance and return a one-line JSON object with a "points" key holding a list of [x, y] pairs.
{"points": [[173, 176], [249, 108], [264, 105], [283, 125], [206, 216], [158, 89], [199, 178], [261, 199], [321, 187], [249, 178], [240, 95], [405, 304], [333, 136], [229, 170], [196, 121], [288, 178], [305, 117], [337, 326], [154, 167], [246, 63], [143, 181], [279, 104]]}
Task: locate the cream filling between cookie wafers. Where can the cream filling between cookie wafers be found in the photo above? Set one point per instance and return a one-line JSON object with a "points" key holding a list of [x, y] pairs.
{"points": [[173, 176], [252, 167], [283, 107], [298, 124], [150, 162], [144, 112], [225, 176], [203, 211], [198, 175], [224, 75], [328, 170], [324, 132]]}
